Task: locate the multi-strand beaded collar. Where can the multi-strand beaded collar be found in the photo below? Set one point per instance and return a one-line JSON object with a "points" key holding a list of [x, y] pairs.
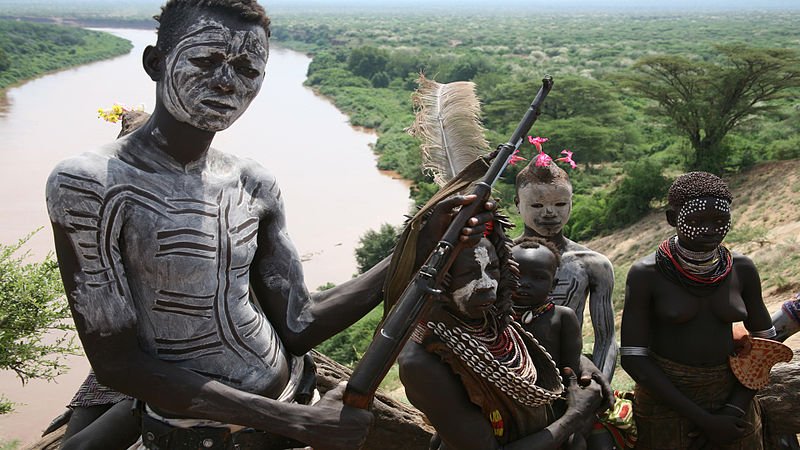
{"points": [[693, 270], [498, 353], [527, 314]]}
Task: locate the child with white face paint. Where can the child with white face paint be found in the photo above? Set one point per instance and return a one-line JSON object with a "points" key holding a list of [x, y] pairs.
{"points": [[480, 379], [544, 200]]}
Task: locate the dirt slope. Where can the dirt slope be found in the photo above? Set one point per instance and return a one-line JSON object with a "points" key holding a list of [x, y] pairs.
{"points": [[766, 227]]}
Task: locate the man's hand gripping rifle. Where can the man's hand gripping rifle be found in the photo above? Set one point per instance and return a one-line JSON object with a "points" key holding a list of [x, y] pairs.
{"points": [[415, 300]]}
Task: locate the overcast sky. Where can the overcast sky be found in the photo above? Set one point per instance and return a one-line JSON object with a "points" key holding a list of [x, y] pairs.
{"points": [[526, 5], [562, 4]]}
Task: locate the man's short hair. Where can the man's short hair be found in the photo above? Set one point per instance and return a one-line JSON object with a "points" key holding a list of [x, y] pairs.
{"points": [[696, 185], [175, 16]]}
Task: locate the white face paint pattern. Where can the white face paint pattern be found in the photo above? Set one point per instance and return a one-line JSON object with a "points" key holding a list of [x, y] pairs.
{"points": [[462, 295], [701, 204], [213, 74], [545, 208]]}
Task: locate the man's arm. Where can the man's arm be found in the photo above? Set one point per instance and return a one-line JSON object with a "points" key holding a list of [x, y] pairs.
{"points": [[571, 339], [302, 320], [601, 309]]}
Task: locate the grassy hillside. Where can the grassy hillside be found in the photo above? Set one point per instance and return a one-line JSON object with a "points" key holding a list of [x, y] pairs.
{"points": [[28, 50]]}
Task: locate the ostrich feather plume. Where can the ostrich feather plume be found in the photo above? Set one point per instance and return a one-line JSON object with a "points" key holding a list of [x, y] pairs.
{"points": [[448, 124]]}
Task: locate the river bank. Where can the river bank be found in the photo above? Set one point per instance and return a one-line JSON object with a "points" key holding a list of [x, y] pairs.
{"points": [[30, 50]]}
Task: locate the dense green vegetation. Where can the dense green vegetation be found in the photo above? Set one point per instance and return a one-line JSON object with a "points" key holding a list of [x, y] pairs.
{"points": [[28, 49], [368, 63]]}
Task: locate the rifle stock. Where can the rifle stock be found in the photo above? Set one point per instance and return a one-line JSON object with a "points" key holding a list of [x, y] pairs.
{"points": [[415, 302]]}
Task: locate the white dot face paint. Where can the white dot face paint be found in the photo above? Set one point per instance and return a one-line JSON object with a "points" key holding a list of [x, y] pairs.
{"points": [[703, 222], [213, 73], [545, 208], [476, 295]]}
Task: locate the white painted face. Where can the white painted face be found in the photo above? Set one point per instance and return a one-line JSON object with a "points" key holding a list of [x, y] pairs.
{"points": [[703, 223], [214, 72], [474, 280], [545, 208]]}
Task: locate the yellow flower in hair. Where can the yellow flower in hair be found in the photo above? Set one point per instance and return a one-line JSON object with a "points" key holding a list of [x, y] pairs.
{"points": [[114, 114]]}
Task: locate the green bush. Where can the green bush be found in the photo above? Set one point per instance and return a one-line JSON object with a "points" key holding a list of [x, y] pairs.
{"points": [[34, 332], [373, 246], [631, 199], [348, 346]]}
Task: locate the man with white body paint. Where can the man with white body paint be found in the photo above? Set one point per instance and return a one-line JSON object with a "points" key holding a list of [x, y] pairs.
{"points": [[185, 288]]}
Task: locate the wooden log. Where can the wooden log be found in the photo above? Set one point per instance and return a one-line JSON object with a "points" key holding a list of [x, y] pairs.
{"points": [[396, 427]]}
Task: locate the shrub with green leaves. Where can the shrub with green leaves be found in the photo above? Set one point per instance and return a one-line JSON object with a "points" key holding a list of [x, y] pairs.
{"points": [[374, 246], [35, 334]]}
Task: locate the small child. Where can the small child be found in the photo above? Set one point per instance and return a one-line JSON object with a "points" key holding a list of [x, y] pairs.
{"points": [[555, 327]]}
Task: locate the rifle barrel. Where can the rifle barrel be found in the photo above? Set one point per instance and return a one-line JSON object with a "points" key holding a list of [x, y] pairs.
{"points": [[414, 303]]}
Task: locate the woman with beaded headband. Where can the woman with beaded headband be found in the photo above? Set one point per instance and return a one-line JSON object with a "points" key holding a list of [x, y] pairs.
{"points": [[482, 381], [680, 304]]}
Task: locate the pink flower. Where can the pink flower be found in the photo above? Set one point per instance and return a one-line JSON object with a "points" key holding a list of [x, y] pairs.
{"points": [[542, 159], [515, 158], [537, 142], [567, 159]]}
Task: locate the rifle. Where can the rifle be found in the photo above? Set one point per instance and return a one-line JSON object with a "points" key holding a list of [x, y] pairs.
{"points": [[415, 302]]}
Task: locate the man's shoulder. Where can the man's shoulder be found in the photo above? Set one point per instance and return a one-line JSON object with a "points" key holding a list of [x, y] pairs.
{"points": [[93, 163], [254, 176], [89, 168], [587, 255]]}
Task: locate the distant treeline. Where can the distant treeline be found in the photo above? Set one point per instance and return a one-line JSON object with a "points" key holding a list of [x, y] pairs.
{"points": [[28, 49], [368, 65]]}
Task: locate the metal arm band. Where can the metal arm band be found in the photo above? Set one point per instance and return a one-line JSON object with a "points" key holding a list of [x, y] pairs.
{"points": [[634, 351], [766, 334]]}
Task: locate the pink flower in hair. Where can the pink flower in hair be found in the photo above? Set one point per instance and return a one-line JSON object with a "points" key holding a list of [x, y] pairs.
{"points": [[567, 159], [537, 142], [542, 159], [515, 158]]}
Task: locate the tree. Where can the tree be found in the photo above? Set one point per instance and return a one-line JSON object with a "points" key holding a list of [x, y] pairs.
{"points": [[374, 246], [5, 63], [34, 334], [706, 100], [367, 61]]}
